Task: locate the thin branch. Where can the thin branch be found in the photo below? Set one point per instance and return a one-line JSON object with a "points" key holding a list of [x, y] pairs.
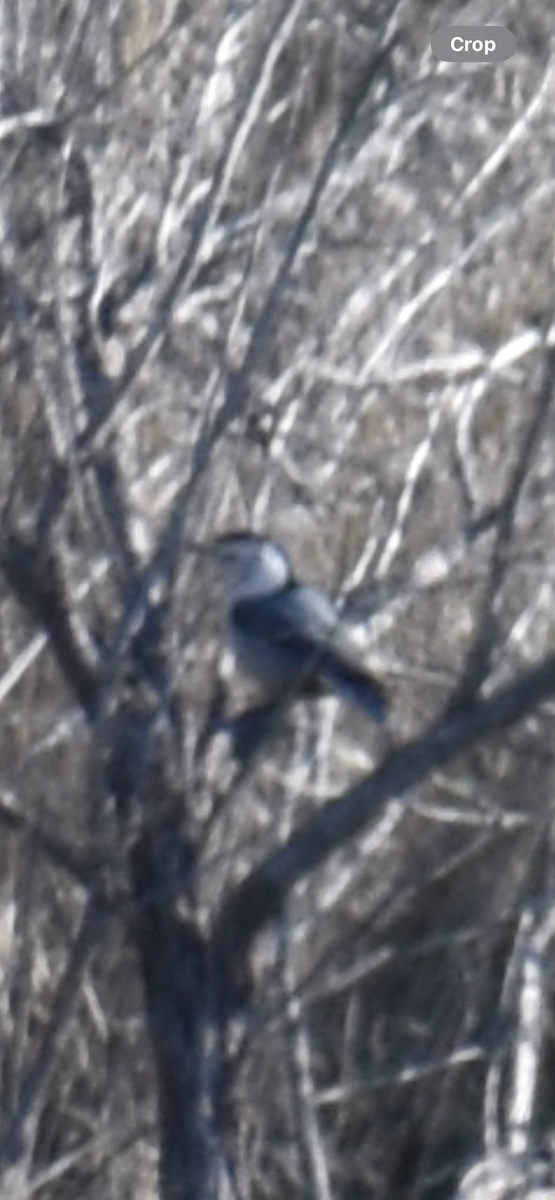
{"points": [[308, 1134], [93, 390], [484, 642], [37, 582], [82, 868], [266, 321], [16, 1143], [203, 223]]}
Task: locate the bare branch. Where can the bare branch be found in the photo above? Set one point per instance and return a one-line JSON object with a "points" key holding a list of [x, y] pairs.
{"points": [[260, 897], [16, 1144], [36, 580]]}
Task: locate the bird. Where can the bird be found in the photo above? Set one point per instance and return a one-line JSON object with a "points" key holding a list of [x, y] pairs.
{"points": [[288, 635]]}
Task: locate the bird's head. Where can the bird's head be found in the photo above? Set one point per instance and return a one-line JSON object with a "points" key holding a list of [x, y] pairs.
{"points": [[249, 566]]}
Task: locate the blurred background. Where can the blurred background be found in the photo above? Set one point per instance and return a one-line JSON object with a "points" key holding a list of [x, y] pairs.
{"points": [[297, 275]]}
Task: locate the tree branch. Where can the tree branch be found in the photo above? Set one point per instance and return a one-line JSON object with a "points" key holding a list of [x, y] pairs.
{"points": [[261, 896]]}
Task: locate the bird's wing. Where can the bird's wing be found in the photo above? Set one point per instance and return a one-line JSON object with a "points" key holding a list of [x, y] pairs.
{"points": [[300, 616], [302, 628]]}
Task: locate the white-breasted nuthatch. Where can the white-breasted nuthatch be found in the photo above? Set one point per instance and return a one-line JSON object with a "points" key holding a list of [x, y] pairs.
{"points": [[286, 635]]}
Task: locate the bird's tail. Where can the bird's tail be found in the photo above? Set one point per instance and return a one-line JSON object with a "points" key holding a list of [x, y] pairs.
{"points": [[355, 684]]}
